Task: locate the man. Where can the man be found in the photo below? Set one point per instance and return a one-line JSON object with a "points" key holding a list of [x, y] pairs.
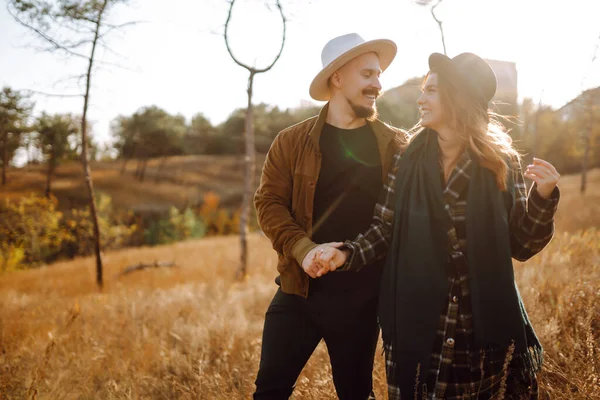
{"points": [[320, 182]]}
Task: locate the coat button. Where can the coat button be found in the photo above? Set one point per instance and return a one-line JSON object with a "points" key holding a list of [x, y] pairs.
{"points": [[305, 218], [450, 342], [312, 184], [455, 299]]}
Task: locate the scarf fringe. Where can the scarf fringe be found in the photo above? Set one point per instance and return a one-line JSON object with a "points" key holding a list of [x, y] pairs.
{"points": [[533, 359], [530, 363]]}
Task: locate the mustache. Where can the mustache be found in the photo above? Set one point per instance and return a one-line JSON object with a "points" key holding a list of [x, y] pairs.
{"points": [[372, 92]]}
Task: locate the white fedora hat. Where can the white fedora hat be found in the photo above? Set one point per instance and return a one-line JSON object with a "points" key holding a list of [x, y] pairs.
{"points": [[342, 49]]}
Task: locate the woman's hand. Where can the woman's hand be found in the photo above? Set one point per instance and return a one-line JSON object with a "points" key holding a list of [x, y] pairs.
{"points": [[544, 175], [331, 258]]}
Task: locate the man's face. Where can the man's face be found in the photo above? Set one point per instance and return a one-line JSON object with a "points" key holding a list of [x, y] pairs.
{"points": [[358, 81]]}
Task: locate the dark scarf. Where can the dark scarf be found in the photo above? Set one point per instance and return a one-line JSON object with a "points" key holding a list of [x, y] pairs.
{"points": [[414, 284]]}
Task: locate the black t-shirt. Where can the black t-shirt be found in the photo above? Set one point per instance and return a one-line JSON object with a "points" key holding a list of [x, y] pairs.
{"points": [[349, 185]]}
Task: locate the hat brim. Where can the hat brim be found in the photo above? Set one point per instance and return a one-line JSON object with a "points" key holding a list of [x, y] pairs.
{"points": [[385, 49]]}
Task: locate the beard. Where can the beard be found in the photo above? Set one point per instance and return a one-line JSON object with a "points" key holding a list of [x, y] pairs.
{"points": [[369, 113]]}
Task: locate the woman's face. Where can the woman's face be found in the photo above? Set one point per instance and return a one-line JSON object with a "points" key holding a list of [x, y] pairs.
{"points": [[430, 104]]}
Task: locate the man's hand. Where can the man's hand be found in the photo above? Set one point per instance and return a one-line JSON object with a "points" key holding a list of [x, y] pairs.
{"points": [[331, 258], [544, 175], [311, 264]]}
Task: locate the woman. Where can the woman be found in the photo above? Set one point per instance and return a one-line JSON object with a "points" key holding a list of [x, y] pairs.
{"points": [[453, 322]]}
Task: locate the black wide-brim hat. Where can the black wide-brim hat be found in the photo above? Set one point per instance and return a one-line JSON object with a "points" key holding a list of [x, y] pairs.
{"points": [[469, 72]]}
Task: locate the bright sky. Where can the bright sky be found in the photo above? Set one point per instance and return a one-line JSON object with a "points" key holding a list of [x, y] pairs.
{"points": [[177, 59]]}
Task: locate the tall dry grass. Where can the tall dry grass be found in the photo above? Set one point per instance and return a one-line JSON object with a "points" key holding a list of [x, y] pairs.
{"points": [[191, 332]]}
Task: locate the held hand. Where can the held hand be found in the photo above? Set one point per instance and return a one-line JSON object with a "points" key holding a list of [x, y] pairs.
{"points": [[331, 258], [544, 175], [311, 264]]}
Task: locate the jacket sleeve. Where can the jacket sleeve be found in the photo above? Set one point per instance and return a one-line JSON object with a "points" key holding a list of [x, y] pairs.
{"points": [[273, 202], [532, 220]]}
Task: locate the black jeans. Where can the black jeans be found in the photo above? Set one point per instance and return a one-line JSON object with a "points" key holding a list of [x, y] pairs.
{"points": [[294, 326]]}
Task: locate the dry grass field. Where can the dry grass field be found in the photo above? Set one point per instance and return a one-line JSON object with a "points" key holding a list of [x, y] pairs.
{"points": [[192, 332]]}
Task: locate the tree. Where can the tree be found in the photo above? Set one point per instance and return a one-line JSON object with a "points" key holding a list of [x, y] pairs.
{"points": [[268, 121], [582, 119], [250, 159], [434, 4], [536, 138], [526, 112], [126, 130], [561, 136], [150, 132], [553, 141], [75, 28], [28, 141], [168, 139], [14, 112], [590, 106], [198, 135], [55, 138], [591, 137]]}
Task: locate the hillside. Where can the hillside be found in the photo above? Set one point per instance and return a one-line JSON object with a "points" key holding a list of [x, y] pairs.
{"points": [[182, 180]]}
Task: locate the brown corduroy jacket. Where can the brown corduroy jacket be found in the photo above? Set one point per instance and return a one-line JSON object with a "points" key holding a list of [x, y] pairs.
{"points": [[285, 196]]}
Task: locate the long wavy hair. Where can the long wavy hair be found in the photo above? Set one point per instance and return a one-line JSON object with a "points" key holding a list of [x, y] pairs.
{"points": [[477, 126]]}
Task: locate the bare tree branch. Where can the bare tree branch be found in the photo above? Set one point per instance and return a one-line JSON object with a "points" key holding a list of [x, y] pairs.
{"points": [[231, 4], [74, 27], [72, 21], [111, 64], [282, 41], [55, 44], [439, 24], [77, 78], [592, 61], [50, 94], [141, 266], [73, 45], [113, 27], [103, 44], [238, 62], [435, 18], [79, 17]]}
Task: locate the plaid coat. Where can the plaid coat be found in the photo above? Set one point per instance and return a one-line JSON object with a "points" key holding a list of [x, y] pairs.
{"points": [[458, 370]]}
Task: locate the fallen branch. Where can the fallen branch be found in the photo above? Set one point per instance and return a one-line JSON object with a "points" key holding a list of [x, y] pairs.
{"points": [[140, 266]]}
